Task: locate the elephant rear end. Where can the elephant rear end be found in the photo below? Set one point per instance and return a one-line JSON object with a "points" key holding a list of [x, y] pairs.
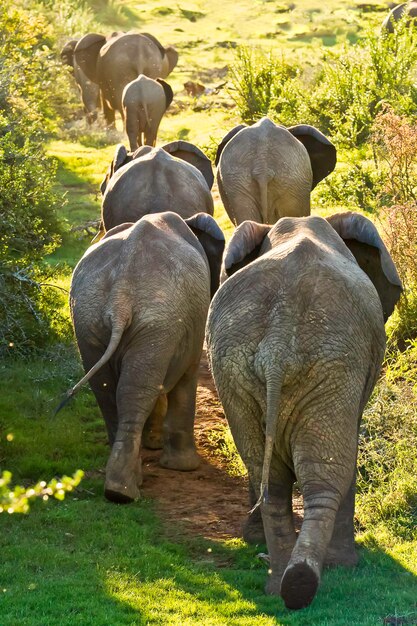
{"points": [[296, 339]]}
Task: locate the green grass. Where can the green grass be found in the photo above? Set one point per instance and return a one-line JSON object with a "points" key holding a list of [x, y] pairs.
{"points": [[89, 562]]}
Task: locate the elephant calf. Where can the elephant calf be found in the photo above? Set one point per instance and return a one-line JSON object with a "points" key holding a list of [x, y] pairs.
{"points": [[139, 301], [144, 102], [296, 339]]}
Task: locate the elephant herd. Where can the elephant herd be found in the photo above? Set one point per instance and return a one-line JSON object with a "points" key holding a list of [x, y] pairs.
{"points": [[295, 331], [123, 72]]}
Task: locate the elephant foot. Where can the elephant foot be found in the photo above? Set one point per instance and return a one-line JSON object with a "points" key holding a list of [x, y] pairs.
{"points": [[185, 460], [299, 585], [347, 557], [253, 529], [120, 494], [273, 585]]}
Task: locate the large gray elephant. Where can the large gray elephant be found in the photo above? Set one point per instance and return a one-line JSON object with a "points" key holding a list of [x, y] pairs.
{"points": [[409, 8], [114, 64], [266, 171], [89, 91], [296, 340], [144, 102], [153, 181], [139, 301]]}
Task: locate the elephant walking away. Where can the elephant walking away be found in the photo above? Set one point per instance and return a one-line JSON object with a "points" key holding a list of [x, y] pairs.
{"points": [[114, 64], [139, 301], [266, 171], [144, 102], [89, 91], [156, 181], [296, 339]]}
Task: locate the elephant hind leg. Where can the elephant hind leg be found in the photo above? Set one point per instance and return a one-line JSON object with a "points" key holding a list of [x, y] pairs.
{"points": [[179, 450], [341, 549], [135, 402], [152, 436]]}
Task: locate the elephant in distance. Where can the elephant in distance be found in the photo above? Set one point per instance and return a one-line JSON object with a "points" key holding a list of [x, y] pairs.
{"points": [[144, 102], [114, 64], [296, 339], [139, 301], [89, 91], [266, 171]]}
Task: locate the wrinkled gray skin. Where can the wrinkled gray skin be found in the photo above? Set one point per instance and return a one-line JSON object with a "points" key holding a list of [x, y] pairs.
{"points": [[89, 91], [266, 171], [144, 102], [295, 340], [396, 14], [139, 301], [154, 181], [114, 64]]}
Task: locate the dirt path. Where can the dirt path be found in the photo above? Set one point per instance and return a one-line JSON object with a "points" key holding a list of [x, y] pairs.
{"points": [[206, 502]]}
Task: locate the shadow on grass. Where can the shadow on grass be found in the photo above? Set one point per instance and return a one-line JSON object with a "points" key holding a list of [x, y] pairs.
{"points": [[86, 561]]}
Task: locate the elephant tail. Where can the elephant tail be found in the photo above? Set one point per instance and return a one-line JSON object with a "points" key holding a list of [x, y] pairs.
{"points": [[273, 396], [116, 335], [263, 192]]}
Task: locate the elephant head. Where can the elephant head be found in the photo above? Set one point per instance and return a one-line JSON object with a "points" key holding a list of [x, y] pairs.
{"points": [[251, 240]]}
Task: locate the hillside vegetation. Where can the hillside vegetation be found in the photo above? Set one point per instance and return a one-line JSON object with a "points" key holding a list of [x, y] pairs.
{"points": [[85, 561]]}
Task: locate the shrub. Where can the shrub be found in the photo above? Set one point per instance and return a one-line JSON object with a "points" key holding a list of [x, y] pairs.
{"points": [[262, 83], [387, 463], [29, 227], [395, 145], [356, 82]]}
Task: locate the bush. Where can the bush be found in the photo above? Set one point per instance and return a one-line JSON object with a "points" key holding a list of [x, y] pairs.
{"points": [[263, 84], [29, 227], [395, 145], [354, 84], [387, 463]]}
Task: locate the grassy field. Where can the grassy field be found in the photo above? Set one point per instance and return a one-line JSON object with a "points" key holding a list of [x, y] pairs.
{"points": [[89, 562]]}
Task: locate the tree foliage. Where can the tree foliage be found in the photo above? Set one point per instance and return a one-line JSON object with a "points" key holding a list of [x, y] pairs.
{"points": [[29, 227]]}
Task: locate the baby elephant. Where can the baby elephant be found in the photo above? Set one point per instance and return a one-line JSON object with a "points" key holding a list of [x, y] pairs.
{"points": [[296, 340], [139, 301], [144, 102]]}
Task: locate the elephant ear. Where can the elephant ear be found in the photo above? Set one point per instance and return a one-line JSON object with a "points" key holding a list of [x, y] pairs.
{"points": [[226, 140], [363, 240], [156, 42], [172, 56], [244, 246], [86, 54], [67, 52], [321, 151], [140, 152], [211, 237], [121, 157], [169, 94], [189, 152]]}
